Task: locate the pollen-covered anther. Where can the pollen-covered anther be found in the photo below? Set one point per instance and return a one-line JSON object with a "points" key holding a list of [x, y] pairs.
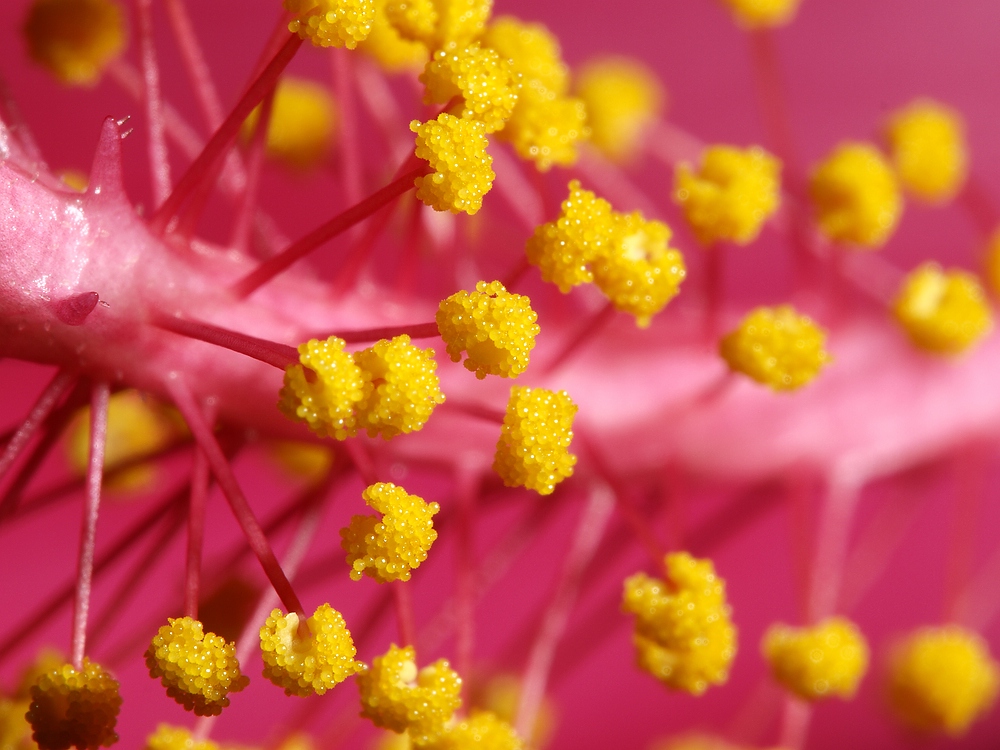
{"points": [[198, 669], [484, 81], [777, 347], [459, 22], [331, 23], [395, 696], [455, 148], [755, 14], [942, 679], [414, 20], [301, 127], [855, 196], [825, 660], [324, 389], [943, 312], [167, 737], [734, 192], [496, 329], [534, 53], [639, 272], [75, 39], [388, 549], [533, 449], [307, 663], [481, 730], [928, 149], [393, 50], [74, 708]]}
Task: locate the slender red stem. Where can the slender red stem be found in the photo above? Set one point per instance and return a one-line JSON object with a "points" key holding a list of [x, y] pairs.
{"points": [[269, 352], [342, 63], [970, 478], [416, 331], [772, 100], [467, 488], [405, 621], [583, 334], [247, 204], [408, 265], [198, 73], [159, 161], [795, 717], [196, 531], [798, 492], [834, 529], [60, 384]]}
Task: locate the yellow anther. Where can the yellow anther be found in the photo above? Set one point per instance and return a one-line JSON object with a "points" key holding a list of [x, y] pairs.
{"points": [[46, 660], [777, 347], [638, 271], [546, 130], [533, 449], [15, 731], [623, 99], [74, 180], [825, 660], [308, 461], [413, 19], [463, 171], [460, 21], [198, 669], [75, 39], [533, 52], [496, 329], [394, 695], [943, 312], [684, 636], [482, 730], [928, 149], [855, 196], [565, 249], [732, 195], [943, 679], [755, 14], [304, 663], [479, 76], [501, 695], [391, 49], [74, 708], [331, 23], [387, 549], [302, 123], [167, 737], [324, 389], [404, 387]]}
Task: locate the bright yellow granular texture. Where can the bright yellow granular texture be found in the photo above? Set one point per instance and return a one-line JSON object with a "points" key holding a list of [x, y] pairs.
{"points": [[501, 695], [74, 708], [943, 312], [479, 76], [533, 449], [75, 39], [482, 730], [533, 51], [15, 731], [928, 149], [732, 195], [404, 387], [394, 695], [855, 196], [301, 128], [564, 249], [393, 51], [755, 14], [455, 147], [198, 669], [388, 549], [324, 389], [943, 679], [777, 347], [684, 636], [623, 98], [307, 664], [414, 20], [824, 660], [496, 329], [167, 737], [639, 272], [459, 21], [332, 23]]}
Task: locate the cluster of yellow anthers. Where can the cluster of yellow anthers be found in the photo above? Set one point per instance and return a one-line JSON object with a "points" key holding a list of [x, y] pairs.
{"points": [[388, 549], [395, 696], [683, 635], [75, 39], [762, 13], [480, 77], [942, 679], [70, 707], [331, 23], [733, 194], [455, 148], [198, 669], [301, 128], [481, 729], [627, 257], [311, 657], [824, 660], [777, 347], [166, 737], [495, 329], [533, 449]]}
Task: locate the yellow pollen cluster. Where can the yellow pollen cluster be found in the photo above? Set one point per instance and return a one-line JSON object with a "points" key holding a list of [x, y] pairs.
{"points": [[15, 731], [623, 98], [459, 21], [943, 679], [533, 449], [167, 737], [855, 196], [755, 14], [198, 669], [733, 194], [331, 23], [324, 389], [413, 19], [302, 122], [496, 329], [777, 347], [928, 149], [484, 81], [74, 708], [684, 636], [482, 730], [943, 312], [388, 549], [534, 52], [304, 664], [394, 695], [827, 659], [455, 148], [392, 50], [75, 39]]}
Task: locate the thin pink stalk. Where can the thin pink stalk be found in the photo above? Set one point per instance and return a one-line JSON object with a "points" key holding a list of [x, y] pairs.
{"points": [[971, 479], [798, 493], [159, 161], [362, 460], [342, 64], [196, 532], [466, 491], [59, 386], [269, 352], [796, 715], [377, 98], [247, 204], [834, 528], [715, 285], [613, 184], [198, 73], [584, 333], [517, 273], [415, 331], [515, 189], [773, 103], [408, 265], [402, 600], [100, 396], [978, 606], [671, 146]]}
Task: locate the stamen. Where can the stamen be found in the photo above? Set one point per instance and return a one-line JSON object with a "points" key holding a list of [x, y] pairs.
{"points": [[159, 163], [269, 352]]}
